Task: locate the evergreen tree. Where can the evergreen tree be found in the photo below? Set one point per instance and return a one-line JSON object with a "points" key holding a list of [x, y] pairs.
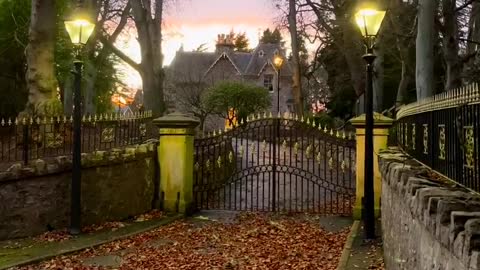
{"points": [[241, 43], [270, 37]]}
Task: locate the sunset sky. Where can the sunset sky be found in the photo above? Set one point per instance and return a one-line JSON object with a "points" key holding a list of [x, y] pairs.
{"points": [[193, 22]]}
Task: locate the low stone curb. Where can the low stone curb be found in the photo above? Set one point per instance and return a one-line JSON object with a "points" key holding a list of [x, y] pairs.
{"points": [[89, 241], [347, 249]]}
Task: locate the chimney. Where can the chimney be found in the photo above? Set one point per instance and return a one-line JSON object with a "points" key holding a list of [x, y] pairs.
{"points": [[225, 43]]}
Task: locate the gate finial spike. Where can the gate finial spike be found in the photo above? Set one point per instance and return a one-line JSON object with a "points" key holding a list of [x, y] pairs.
{"points": [[270, 115], [214, 133], [303, 120], [343, 134], [265, 114], [308, 121], [338, 134], [3, 122], [320, 126], [331, 132], [279, 115], [242, 122], [325, 129], [219, 131]]}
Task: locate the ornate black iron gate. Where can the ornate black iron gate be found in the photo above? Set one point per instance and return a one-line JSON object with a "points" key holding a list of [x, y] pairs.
{"points": [[276, 164]]}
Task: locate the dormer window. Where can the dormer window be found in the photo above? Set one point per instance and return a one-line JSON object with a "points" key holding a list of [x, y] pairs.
{"points": [[276, 52], [261, 54]]}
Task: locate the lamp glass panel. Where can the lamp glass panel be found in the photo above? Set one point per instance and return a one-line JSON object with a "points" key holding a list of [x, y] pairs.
{"points": [[278, 62], [79, 31], [369, 21]]}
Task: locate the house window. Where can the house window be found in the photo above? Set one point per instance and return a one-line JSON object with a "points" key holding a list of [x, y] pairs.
{"points": [[261, 54], [268, 81]]}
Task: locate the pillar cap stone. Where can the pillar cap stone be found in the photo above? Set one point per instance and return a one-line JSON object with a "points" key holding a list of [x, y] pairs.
{"points": [[176, 120], [379, 120]]}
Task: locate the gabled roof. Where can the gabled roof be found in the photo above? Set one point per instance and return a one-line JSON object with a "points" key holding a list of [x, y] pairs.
{"points": [[257, 63], [197, 64], [227, 56], [193, 64]]}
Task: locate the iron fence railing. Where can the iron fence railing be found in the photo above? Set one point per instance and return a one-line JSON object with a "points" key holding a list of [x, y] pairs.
{"points": [[28, 139], [443, 133]]}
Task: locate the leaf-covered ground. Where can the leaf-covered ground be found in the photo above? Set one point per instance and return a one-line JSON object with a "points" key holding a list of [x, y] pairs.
{"points": [[249, 241]]}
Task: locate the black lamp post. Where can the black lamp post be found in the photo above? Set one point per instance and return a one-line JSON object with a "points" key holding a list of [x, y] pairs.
{"points": [[369, 20], [278, 63], [79, 29]]}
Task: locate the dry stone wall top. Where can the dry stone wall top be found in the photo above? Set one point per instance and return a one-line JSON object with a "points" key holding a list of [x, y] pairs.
{"points": [[428, 222]]}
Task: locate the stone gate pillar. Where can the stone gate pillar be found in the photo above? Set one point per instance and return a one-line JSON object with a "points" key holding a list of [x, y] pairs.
{"points": [[175, 156], [380, 138]]}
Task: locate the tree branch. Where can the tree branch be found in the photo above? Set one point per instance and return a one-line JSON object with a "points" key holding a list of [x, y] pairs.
{"points": [[106, 42], [466, 4]]}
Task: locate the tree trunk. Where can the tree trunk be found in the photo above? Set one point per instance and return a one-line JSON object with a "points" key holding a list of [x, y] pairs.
{"points": [[402, 91], [450, 45], [425, 48], [402, 19], [41, 80], [89, 89], [149, 29], [474, 28], [296, 78]]}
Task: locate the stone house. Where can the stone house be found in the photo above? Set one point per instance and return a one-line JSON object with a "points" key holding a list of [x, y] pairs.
{"points": [[227, 64]]}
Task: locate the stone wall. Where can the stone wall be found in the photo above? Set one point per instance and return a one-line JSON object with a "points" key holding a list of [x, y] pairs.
{"points": [[427, 222], [116, 184]]}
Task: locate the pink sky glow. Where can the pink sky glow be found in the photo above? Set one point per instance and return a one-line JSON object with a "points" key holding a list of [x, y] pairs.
{"points": [[194, 22]]}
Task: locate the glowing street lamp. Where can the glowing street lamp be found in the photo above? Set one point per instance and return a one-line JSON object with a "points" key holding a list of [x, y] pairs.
{"points": [[278, 63], [369, 19], [79, 29]]}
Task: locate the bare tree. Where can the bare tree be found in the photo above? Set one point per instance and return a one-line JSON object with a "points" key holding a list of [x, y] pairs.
{"points": [[187, 91], [147, 16]]}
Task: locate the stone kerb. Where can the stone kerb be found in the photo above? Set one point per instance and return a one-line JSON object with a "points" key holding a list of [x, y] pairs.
{"points": [[427, 223]]}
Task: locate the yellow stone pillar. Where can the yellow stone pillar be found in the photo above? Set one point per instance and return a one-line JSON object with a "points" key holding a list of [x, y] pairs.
{"points": [[175, 155], [380, 138]]}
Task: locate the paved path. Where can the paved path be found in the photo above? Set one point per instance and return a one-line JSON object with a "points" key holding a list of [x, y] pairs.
{"points": [[221, 240]]}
